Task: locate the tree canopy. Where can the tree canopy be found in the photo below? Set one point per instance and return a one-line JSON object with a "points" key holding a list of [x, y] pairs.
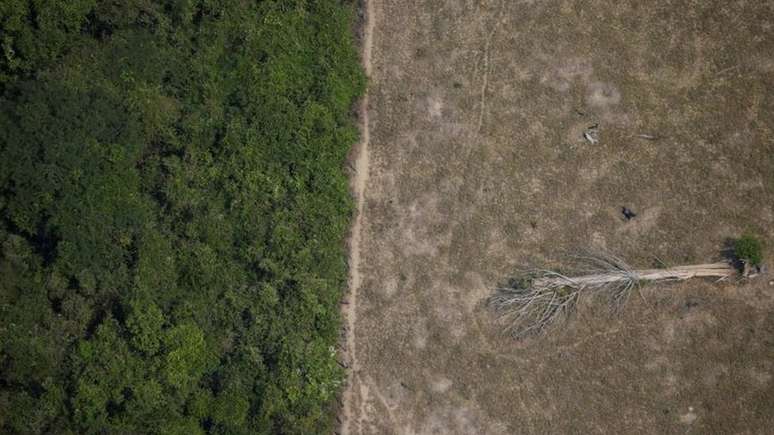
{"points": [[173, 209]]}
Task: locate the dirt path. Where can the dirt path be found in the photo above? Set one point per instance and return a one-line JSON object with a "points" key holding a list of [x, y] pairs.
{"points": [[360, 180]]}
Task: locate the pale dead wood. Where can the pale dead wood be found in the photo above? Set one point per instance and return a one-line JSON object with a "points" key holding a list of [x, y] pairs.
{"points": [[542, 298], [679, 273]]}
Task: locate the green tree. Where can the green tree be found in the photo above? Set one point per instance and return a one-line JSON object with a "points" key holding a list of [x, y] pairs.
{"points": [[172, 213]]}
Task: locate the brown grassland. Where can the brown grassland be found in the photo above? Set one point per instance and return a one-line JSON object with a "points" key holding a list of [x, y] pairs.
{"points": [[478, 167]]}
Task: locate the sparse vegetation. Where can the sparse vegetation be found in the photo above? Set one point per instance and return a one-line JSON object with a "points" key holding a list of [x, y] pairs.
{"points": [[172, 214], [456, 206]]}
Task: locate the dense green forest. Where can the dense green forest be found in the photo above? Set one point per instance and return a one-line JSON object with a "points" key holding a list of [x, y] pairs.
{"points": [[172, 213]]}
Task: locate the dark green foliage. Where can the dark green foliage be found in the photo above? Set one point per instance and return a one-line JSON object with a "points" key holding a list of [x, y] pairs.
{"points": [[172, 212], [749, 249]]}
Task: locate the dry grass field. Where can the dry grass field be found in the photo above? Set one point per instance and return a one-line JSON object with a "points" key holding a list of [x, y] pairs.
{"points": [[478, 167]]}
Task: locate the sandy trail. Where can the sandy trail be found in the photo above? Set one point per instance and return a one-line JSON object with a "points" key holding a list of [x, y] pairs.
{"points": [[360, 180]]}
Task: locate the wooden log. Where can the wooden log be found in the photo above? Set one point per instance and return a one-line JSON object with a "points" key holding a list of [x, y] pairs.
{"points": [[678, 273]]}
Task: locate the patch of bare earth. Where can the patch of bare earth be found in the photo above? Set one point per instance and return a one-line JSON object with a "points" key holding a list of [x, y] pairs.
{"points": [[478, 167]]}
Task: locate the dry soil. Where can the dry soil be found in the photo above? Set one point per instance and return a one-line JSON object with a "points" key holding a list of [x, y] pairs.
{"points": [[478, 167]]}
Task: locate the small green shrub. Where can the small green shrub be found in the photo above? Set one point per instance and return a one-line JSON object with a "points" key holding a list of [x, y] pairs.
{"points": [[749, 249]]}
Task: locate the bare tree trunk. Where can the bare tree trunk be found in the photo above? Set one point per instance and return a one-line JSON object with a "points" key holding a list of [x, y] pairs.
{"points": [[678, 273], [544, 297]]}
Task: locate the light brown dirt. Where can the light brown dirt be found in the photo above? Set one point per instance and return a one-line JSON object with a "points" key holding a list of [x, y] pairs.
{"points": [[359, 180], [477, 167]]}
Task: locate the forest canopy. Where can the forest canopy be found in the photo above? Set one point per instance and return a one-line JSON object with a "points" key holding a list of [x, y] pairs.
{"points": [[173, 209]]}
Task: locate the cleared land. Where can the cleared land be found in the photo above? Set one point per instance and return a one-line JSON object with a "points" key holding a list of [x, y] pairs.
{"points": [[477, 167]]}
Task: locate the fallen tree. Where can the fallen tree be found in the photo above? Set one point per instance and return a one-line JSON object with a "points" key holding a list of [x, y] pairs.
{"points": [[538, 299]]}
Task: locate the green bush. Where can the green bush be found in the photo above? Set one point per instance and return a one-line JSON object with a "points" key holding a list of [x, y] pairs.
{"points": [[172, 213], [749, 249]]}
